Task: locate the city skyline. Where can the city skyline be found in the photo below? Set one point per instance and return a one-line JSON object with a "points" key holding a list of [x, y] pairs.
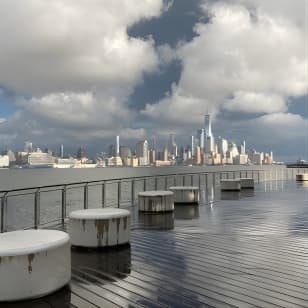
{"points": [[155, 69]]}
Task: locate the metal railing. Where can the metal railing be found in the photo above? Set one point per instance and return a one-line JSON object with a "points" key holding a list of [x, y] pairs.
{"points": [[65, 187]]}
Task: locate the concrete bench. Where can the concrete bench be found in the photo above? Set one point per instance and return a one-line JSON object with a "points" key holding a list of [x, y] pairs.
{"points": [[185, 194], [247, 183], [302, 177], [33, 263], [156, 201], [230, 185], [99, 227]]}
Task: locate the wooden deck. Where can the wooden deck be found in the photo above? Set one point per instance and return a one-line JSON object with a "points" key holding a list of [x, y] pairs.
{"points": [[241, 250]]}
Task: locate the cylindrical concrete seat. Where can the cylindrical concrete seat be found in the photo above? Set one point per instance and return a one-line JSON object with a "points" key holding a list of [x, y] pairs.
{"points": [[302, 177], [247, 183], [156, 201], [185, 194], [99, 227], [33, 263], [230, 185]]}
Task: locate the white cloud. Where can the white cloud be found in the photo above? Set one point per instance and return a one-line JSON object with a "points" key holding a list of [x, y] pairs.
{"points": [[242, 60], [255, 102], [75, 64], [54, 46]]}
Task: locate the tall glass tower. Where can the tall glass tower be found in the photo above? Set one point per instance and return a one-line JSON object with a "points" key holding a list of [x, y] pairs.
{"points": [[208, 125]]}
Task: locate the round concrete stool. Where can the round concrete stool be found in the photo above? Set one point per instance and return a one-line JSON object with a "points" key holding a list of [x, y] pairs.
{"points": [[230, 185], [33, 263], [156, 201], [99, 227], [302, 177], [247, 183], [185, 194]]}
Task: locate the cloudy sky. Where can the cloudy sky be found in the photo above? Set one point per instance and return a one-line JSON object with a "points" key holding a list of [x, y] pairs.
{"points": [[81, 72]]}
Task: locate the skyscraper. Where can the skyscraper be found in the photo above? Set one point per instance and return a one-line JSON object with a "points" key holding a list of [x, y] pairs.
{"points": [[208, 125], [142, 152], [118, 146], [192, 145]]}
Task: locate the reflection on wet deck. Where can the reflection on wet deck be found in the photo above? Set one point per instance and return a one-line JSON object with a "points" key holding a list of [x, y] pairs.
{"points": [[233, 250]]}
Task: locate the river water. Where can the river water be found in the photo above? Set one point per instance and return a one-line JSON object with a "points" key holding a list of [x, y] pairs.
{"points": [[20, 208]]}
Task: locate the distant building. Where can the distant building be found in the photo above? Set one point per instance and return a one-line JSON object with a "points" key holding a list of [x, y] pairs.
{"points": [[40, 158], [28, 147], [256, 158], [4, 161], [62, 151], [114, 161], [241, 159], [198, 155], [152, 156], [81, 153], [130, 162], [142, 152], [208, 125], [125, 152]]}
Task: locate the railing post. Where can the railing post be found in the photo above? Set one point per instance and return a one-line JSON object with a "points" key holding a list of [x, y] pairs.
{"points": [[119, 194], [103, 193], [37, 206], [3, 212], [86, 196], [63, 204], [133, 192]]}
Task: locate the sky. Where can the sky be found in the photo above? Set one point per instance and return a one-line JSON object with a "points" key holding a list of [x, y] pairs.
{"points": [[82, 72]]}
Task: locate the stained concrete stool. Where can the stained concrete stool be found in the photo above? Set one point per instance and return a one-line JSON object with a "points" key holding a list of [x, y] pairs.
{"points": [[302, 177], [230, 185], [33, 263], [247, 183], [99, 227], [156, 201], [185, 194]]}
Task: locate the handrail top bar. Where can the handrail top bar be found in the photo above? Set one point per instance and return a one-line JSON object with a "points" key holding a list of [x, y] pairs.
{"points": [[121, 179]]}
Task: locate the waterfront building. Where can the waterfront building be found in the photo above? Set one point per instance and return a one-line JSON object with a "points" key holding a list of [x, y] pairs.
{"points": [[222, 145], [216, 159], [28, 147], [241, 159], [173, 149], [152, 156], [39, 158], [61, 151], [125, 152], [233, 149], [210, 145], [160, 163], [81, 153], [198, 155], [114, 161], [4, 161], [118, 146], [256, 157], [192, 142], [142, 152], [165, 154], [201, 135], [268, 158]]}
